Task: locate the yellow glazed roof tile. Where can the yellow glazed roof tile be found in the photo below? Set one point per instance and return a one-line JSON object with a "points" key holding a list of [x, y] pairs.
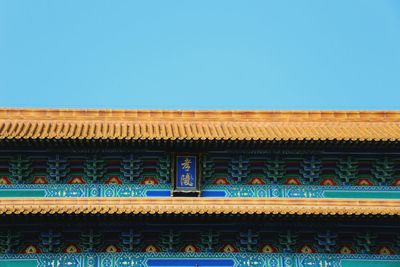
{"points": [[199, 206], [199, 125]]}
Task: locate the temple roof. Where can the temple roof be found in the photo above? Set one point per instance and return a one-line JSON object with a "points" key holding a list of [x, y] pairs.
{"points": [[199, 125]]}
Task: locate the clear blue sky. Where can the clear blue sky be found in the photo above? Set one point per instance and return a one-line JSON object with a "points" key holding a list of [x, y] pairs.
{"points": [[200, 54]]}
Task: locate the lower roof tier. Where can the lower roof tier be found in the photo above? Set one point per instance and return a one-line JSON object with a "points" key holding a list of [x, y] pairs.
{"points": [[259, 235], [245, 233]]}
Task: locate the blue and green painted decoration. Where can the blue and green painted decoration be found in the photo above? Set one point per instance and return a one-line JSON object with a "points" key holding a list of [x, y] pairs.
{"points": [[200, 260], [234, 174], [229, 191]]}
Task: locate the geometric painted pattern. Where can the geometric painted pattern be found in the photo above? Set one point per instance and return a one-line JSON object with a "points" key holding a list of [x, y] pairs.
{"points": [[228, 191], [175, 237], [198, 259], [233, 168]]}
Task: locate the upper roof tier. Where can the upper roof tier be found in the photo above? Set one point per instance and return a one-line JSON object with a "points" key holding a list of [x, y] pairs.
{"points": [[199, 125]]}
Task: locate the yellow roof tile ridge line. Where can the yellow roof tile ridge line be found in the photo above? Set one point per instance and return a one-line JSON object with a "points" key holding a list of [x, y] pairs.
{"points": [[200, 206], [23, 114]]}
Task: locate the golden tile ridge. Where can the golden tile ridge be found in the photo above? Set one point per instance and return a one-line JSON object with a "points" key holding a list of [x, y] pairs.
{"points": [[199, 206]]}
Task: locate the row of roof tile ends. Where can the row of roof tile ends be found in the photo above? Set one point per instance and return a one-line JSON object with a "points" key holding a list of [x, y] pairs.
{"points": [[199, 125]]}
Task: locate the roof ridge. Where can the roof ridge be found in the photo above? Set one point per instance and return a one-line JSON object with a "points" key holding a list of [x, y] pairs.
{"points": [[198, 115]]}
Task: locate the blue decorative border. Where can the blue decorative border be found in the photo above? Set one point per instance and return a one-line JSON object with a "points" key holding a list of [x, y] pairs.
{"points": [[78, 190], [301, 191], [196, 259], [227, 191]]}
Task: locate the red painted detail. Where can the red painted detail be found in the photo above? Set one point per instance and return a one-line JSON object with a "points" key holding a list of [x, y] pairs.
{"points": [[151, 248], [113, 180], [256, 181], [76, 180], [190, 248], [5, 180], [384, 250], [396, 182], [40, 180], [364, 182], [221, 180], [112, 249], [307, 249], [229, 248], [268, 249], [346, 250], [149, 180], [72, 248], [328, 181], [31, 249], [292, 181]]}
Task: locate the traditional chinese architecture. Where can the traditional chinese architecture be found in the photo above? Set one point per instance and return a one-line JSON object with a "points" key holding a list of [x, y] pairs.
{"points": [[199, 188]]}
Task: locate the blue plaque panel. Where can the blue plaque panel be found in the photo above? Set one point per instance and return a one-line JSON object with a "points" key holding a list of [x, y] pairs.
{"points": [[186, 173]]}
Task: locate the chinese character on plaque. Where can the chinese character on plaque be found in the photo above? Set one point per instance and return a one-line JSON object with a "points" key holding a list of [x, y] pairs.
{"points": [[186, 172]]}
